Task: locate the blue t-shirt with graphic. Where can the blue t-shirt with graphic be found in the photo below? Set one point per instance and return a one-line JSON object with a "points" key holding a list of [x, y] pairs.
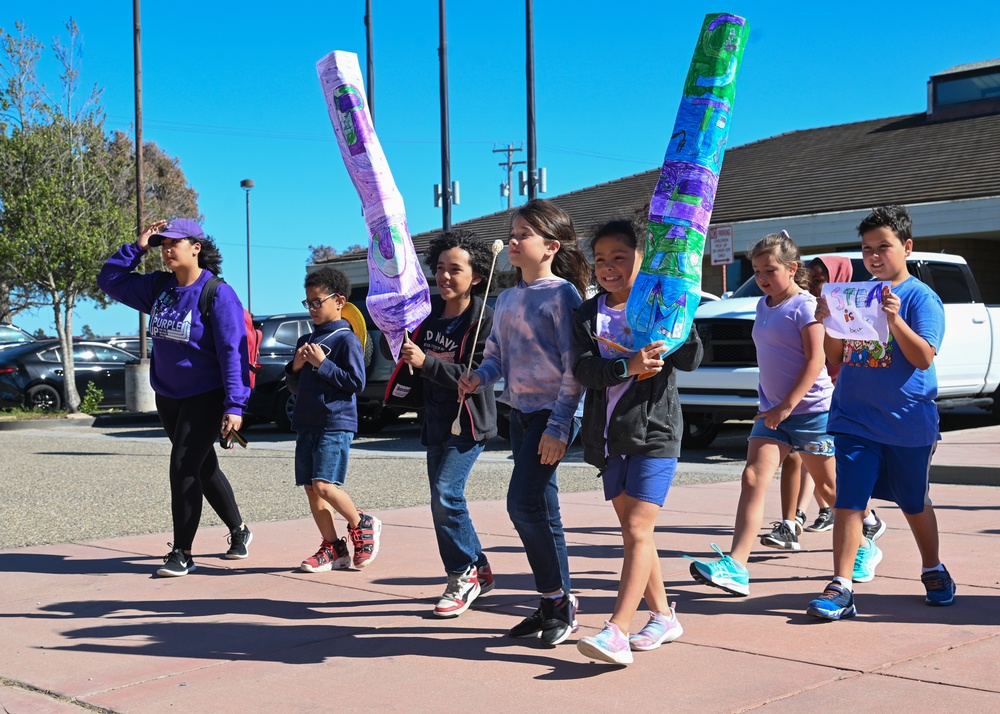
{"points": [[879, 394]]}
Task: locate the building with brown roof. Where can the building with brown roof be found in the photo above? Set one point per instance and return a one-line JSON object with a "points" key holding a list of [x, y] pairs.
{"points": [[943, 164]]}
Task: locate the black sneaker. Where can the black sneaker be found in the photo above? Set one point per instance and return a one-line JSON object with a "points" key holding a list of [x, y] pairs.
{"points": [[823, 522], [800, 521], [176, 564], [239, 539], [875, 531], [531, 626], [782, 537], [561, 621]]}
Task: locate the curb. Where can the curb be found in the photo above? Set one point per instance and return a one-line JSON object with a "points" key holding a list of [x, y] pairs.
{"points": [[964, 475], [62, 423], [127, 419]]}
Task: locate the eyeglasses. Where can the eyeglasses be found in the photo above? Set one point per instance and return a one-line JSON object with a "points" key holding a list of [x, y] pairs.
{"points": [[317, 304]]}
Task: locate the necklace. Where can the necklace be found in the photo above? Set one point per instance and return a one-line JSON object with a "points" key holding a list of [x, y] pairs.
{"points": [[767, 313]]}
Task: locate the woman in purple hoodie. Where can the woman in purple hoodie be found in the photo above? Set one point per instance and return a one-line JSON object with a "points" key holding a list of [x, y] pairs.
{"points": [[200, 372]]}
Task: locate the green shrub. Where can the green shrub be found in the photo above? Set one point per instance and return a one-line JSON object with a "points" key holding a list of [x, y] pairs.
{"points": [[91, 401]]}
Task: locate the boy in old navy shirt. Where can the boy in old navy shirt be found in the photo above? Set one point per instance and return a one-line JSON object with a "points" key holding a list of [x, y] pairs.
{"points": [[883, 416], [440, 353]]}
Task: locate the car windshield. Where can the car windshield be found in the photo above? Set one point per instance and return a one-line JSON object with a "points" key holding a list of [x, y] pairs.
{"points": [[750, 289]]}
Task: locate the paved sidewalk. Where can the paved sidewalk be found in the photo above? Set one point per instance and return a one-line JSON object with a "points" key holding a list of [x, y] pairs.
{"points": [[86, 625]]}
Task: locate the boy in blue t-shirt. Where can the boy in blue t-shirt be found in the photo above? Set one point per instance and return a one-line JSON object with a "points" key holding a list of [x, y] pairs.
{"points": [[884, 419]]}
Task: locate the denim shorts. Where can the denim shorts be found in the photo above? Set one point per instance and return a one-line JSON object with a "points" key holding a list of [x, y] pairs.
{"points": [[322, 456], [646, 478], [803, 432]]}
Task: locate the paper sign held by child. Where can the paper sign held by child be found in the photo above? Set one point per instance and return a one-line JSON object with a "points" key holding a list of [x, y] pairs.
{"points": [[856, 311]]}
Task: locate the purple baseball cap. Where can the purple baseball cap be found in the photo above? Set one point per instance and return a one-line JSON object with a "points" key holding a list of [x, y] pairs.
{"points": [[178, 228]]}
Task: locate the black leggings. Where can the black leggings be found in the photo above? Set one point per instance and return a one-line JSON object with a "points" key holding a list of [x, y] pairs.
{"points": [[192, 425]]}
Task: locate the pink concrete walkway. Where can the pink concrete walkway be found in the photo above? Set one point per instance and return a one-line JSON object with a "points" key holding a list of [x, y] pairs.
{"points": [[86, 623]]}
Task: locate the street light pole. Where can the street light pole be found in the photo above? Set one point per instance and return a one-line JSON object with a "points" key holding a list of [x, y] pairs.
{"points": [[246, 185]]}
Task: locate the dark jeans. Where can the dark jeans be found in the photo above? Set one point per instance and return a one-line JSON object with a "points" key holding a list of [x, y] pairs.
{"points": [[533, 503], [192, 425], [448, 468]]}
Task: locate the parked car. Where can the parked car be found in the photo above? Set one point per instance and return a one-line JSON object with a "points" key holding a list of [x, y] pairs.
{"points": [[724, 387], [271, 400], [11, 335], [31, 374], [129, 343]]}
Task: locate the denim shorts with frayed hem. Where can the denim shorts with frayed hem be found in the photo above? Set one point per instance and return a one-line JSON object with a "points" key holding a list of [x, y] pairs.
{"points": [[803, 432], [322, 456]]}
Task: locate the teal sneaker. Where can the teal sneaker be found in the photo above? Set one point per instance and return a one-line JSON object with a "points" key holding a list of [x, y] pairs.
{"points": [[725, 573], [865, 561], [836, 603]]}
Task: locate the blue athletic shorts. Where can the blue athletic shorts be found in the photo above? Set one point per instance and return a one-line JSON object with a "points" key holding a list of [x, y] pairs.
{"points": [[803, 432], [646, 478], [866, 469], [322, 456]]}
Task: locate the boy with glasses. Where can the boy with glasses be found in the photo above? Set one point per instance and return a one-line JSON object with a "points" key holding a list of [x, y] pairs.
{"points": [[326, 374]]}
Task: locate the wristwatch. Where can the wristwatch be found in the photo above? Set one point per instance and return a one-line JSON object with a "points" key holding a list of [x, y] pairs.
{"points": [[620, 369]]}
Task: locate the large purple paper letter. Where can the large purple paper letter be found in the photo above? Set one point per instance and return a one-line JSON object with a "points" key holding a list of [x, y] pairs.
{"points": [[398, 298]]}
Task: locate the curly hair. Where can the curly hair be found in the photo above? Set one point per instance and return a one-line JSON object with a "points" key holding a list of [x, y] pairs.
{"points": [[331, 280], [569, 262], [784, 250], [209, 257], [480, 254]]}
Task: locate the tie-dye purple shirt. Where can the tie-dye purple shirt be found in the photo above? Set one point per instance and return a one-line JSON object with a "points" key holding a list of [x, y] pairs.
{"points": [[531, 347]]}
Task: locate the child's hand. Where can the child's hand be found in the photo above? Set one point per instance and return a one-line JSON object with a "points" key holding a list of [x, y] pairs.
{"points": [[890, 305], [647, 359], [299, 360], [550, 449], [467, 384], [313, 354], [412, 355], [774, 416], [822, 309]]}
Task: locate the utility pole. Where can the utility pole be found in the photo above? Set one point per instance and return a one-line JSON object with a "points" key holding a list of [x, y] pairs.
{"points": [[530, 71], [506, 188], [446, 186]]}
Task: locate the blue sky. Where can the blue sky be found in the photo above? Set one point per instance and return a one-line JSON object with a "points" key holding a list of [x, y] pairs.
{"points": [[231, 90]]}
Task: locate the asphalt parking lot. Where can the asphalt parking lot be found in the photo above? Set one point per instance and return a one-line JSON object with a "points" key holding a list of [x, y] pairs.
{"points": [[83, 483]]}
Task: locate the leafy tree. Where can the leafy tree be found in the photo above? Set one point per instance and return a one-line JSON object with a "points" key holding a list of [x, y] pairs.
{"points": [[324, 253], [40, 334], [60, 218], [87, 333]]}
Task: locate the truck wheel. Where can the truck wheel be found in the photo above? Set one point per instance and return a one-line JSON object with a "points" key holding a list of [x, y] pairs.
{"points": [[374, 421], [284, 405], [699, 431]]}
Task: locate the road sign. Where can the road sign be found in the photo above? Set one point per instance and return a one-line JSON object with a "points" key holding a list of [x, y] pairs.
{"points": [[720, 239]]}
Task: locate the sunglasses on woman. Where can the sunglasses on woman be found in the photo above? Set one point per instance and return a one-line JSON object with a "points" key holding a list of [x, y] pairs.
{"points": [[318, 303]]}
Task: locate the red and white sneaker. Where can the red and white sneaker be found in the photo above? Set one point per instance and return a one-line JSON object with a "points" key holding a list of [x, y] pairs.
{"points": [[462, 589], [486, 581], [366, 539], [330, 556]]}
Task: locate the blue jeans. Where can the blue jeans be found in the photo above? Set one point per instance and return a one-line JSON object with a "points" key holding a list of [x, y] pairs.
{"points": [[533, 502], [448, 468]]}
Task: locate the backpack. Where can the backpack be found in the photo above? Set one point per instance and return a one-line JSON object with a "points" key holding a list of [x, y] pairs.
{"points": [[208, 291]]}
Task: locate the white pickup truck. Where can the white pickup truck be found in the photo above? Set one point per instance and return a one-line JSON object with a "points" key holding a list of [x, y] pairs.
{"points": [[724, 387]]}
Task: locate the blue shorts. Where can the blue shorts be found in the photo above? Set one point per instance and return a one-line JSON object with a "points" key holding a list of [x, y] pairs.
{"points": [[803, 432], [646, 478], [322, 456], [866, 469]]}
